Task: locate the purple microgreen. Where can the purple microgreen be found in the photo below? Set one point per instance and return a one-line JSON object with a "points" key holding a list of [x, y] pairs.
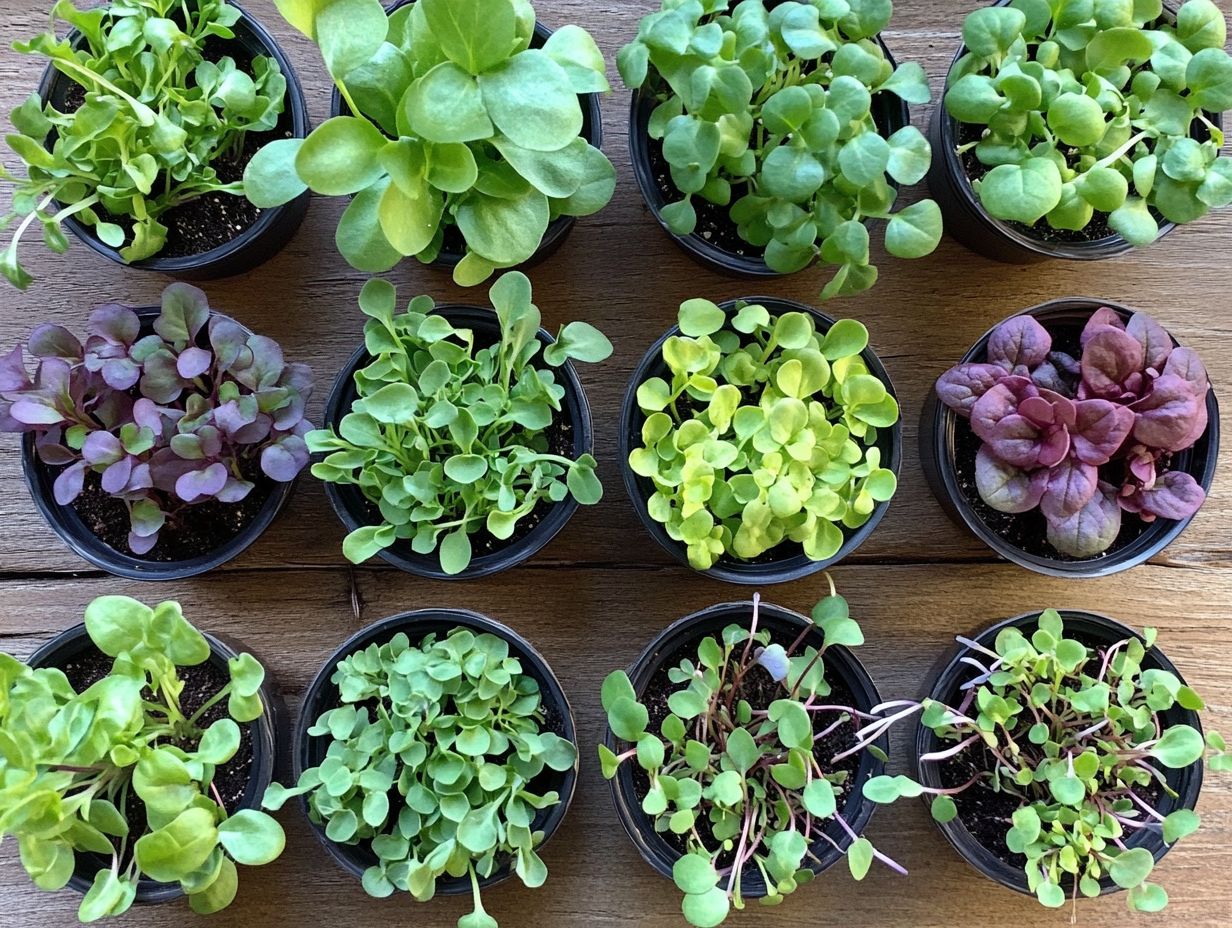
{"points": [[69, 482], [193, 362], [203, 483], [54, 341], [1019, 345]]}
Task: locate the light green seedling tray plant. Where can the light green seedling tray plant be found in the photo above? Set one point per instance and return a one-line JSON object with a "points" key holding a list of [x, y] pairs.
{"points": [[454, 731], [764, 433], [156, 115], [449, 437], [1090, 110], [454, 122], [72, 763], [769, 111]]}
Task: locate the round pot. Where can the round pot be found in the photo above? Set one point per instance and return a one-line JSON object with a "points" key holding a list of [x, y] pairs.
{"points": [[560, 227], [791, 562], [322, 695], [353, 508], [889, 112], [270, 736], [950, 673], [840, 664], [77, 535], [273, 227], [939, 433], [1013, 243]]}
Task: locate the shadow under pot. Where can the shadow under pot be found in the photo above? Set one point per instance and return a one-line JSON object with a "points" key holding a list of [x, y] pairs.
{"points": [[232, 527], [948, 449], [851, 685], [209, 221], [977, 833], [491, 555], [787, 561], [949, 181], [260, 757], [323, 695], [453, 248], [715, 243]]}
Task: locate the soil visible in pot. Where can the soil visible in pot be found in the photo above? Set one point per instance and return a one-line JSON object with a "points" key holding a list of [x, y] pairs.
{"points": [[194, 531], [1028, 530], [213, 219], [201, 682], [760, 689]]}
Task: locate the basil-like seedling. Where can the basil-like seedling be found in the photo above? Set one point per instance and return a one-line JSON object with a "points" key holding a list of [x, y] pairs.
{"points": [[453, 731], [765, 433], [1084, 439], [455, 122], [733, 770], [768, 112], [1073, 734], [155, 116], [76, 764], [449, 439], [1096, 110]]}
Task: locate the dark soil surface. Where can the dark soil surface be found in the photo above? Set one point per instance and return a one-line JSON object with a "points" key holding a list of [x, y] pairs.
{"points": [[760, 689], [201, 682], [193, 531]]}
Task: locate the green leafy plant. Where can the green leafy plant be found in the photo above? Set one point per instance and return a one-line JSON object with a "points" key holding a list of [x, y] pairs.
{"points": [[729, 772], [455, 123], [455, 729], [1096, 110], [1074, 733], [450, 437], [768, 111], [765, 433], [73, 765], [155, 117]]}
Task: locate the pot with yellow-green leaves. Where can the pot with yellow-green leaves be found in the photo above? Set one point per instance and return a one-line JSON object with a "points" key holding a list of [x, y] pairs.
{"points": [[760, 439]]}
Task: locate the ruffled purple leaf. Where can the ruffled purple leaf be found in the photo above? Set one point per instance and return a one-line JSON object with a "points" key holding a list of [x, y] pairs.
{"points": [[193, 362], [1167, 416], [54, 341], [283, 460], [1141, 462], [1070, 486], [1019, 344], [115, 477], [201, 484], [114, 324], [1007, 488], [961, 386], [68, 484], [1089, 531], [1102, 320], [1154, 338], [1109, 359], [1176, 495], [1185, 363], [1099, 430], [101, 449], [185, 311]]}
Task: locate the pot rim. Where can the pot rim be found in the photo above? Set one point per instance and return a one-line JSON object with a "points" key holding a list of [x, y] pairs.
{"points": [[728, 568], [451, 618]]}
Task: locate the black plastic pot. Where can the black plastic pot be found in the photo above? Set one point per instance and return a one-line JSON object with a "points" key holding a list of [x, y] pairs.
{"points": [[273, 227], [322, 695], [560, 227], [1012, 243], [74, 532], [841, 664], [950, 673], [889, 112], [939, 430], [270, 739], [354, 510], [792, 564]]}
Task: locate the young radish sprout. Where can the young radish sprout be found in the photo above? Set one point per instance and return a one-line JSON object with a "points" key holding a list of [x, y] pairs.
{"points": [[751, 784], [1077, 735]]}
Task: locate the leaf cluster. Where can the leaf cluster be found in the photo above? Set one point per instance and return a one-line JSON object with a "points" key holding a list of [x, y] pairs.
{"points": [[172, 417], [1075, 734], [155, 117], [1085, 438], [737, 778], [73, 765], [764, 433], [432, 752], [1096, 108], [455, 123], [769, 112], [450, 436]]}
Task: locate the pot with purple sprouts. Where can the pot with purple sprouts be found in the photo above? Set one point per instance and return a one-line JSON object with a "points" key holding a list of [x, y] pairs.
{"points": [[1062, 755], [166, 442], [737, 746]]}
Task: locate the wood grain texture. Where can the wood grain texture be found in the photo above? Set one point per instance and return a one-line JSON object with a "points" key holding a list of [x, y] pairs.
{"points": [[594, 596]]}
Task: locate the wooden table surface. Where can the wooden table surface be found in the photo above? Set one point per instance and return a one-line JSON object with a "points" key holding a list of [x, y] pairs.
{"points": [[596, 595]]}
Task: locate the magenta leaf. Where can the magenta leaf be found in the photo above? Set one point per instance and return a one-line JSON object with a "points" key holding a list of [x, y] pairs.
{"points": [[961, 386], [193, 362], [54, 341], [1185, 363], [1167, 415], [1155, 340], [1176, 495], [1101, 320], [1019, 344], [1099, 430], [1070, 486], [67, 486], [1007, 488], [1109, 358], [1089, 531], [199, 484]]}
